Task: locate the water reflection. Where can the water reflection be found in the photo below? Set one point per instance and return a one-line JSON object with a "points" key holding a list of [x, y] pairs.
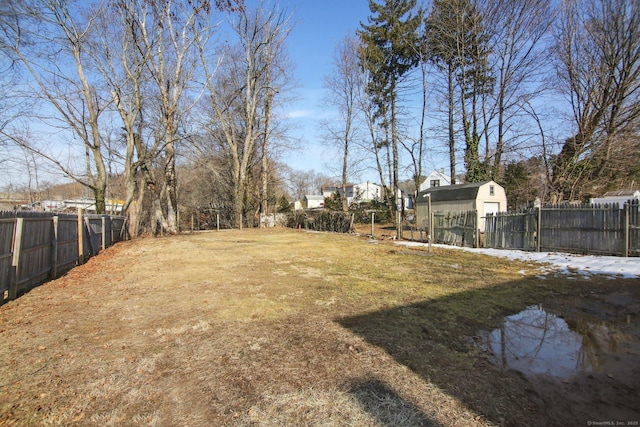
{"points": [[535, 341]]}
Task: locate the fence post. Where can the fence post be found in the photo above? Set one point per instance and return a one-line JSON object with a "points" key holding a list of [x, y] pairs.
{"points": [[124, 233], [538, 227], [54, 249], [15, 262], [373, 216], [80, 237], [476, 221], [432, 229], [626, 229], [104, 232]]}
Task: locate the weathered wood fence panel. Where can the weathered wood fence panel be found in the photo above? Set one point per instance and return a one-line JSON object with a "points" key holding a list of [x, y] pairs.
{"points": [[7, 226], [67, 242], [512, 230], [36, 257], [633, 222], [37, 246], [93, 234], [458, 229], [118, 230], [585, 229]]}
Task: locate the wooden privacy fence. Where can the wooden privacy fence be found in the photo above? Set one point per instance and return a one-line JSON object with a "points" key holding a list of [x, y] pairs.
{"points": [[458, 229], [36, 246], [586, 229]]}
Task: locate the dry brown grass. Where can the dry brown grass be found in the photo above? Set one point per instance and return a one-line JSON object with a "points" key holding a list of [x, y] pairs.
{"points": [[271, 328]]}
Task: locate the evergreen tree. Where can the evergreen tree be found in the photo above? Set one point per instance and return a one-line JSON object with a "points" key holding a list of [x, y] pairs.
{"points": [[284, 205], [389, 52], [517, 185]]}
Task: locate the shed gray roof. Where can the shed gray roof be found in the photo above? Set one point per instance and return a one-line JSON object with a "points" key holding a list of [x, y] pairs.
{"points": [[618, 193], [448, 193]]}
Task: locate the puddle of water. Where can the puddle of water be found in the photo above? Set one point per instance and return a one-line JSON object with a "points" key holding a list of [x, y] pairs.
{"points": [[535, 341]]}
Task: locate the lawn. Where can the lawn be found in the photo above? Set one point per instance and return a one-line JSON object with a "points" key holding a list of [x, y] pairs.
{"points": [[291, 328]]}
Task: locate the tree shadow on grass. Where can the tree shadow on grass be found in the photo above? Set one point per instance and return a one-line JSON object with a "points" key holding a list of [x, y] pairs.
{"points": [[387, 407], [439, 340]]}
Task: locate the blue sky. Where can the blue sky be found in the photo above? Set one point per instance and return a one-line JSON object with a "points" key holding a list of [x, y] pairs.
{"points": [[319, 27]]}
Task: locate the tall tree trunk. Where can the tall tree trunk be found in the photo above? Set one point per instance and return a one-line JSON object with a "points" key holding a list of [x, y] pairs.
{"points": [[394, 145], [452, 135], [423, 114], [131, 209], [497, 160], [170, 189], [345, 203], [264, 174]]}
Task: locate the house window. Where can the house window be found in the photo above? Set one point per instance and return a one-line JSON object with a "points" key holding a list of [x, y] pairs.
{"points": [[435, 183], [492, 190]]}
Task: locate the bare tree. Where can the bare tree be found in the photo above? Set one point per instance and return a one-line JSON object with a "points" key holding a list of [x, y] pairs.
{"points": [[302, 183], [417, 149], [122, 64], [598, 52], [376, 139], [277, 79], [344, 85], [518, 29], [49, 40], [165, 34], [239, 88], [443, 29]]}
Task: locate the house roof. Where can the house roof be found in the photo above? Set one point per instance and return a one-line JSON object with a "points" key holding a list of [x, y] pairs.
{"points": [[364, 184], [314, 197], [407, 186], [335, 186], [450, 193], [439, 174]]}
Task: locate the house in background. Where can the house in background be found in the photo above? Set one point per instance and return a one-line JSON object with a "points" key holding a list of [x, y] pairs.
{"points": [[620, 197], [365, 192], [405, 194], [484, 197], [111, 206], [314, 201], [436, 179], [407, 189], [328, 190]]}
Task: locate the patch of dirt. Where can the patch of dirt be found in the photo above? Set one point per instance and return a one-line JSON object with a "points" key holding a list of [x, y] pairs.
{"points": [[285, 327]]}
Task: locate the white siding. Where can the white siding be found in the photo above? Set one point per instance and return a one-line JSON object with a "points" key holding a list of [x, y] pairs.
{"points": [[435, 176], [496, 202], [367, 191], [491, 208], [314, 202]]}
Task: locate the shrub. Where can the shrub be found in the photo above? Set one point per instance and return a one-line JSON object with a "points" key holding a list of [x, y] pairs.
{"points": [[324, 220]]}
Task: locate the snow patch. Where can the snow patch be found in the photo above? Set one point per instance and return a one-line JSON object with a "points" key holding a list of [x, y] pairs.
{"points": [[585, 265]]}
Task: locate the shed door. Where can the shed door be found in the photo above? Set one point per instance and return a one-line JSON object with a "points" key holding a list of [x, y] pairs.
{"points": [[491, 208]]}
